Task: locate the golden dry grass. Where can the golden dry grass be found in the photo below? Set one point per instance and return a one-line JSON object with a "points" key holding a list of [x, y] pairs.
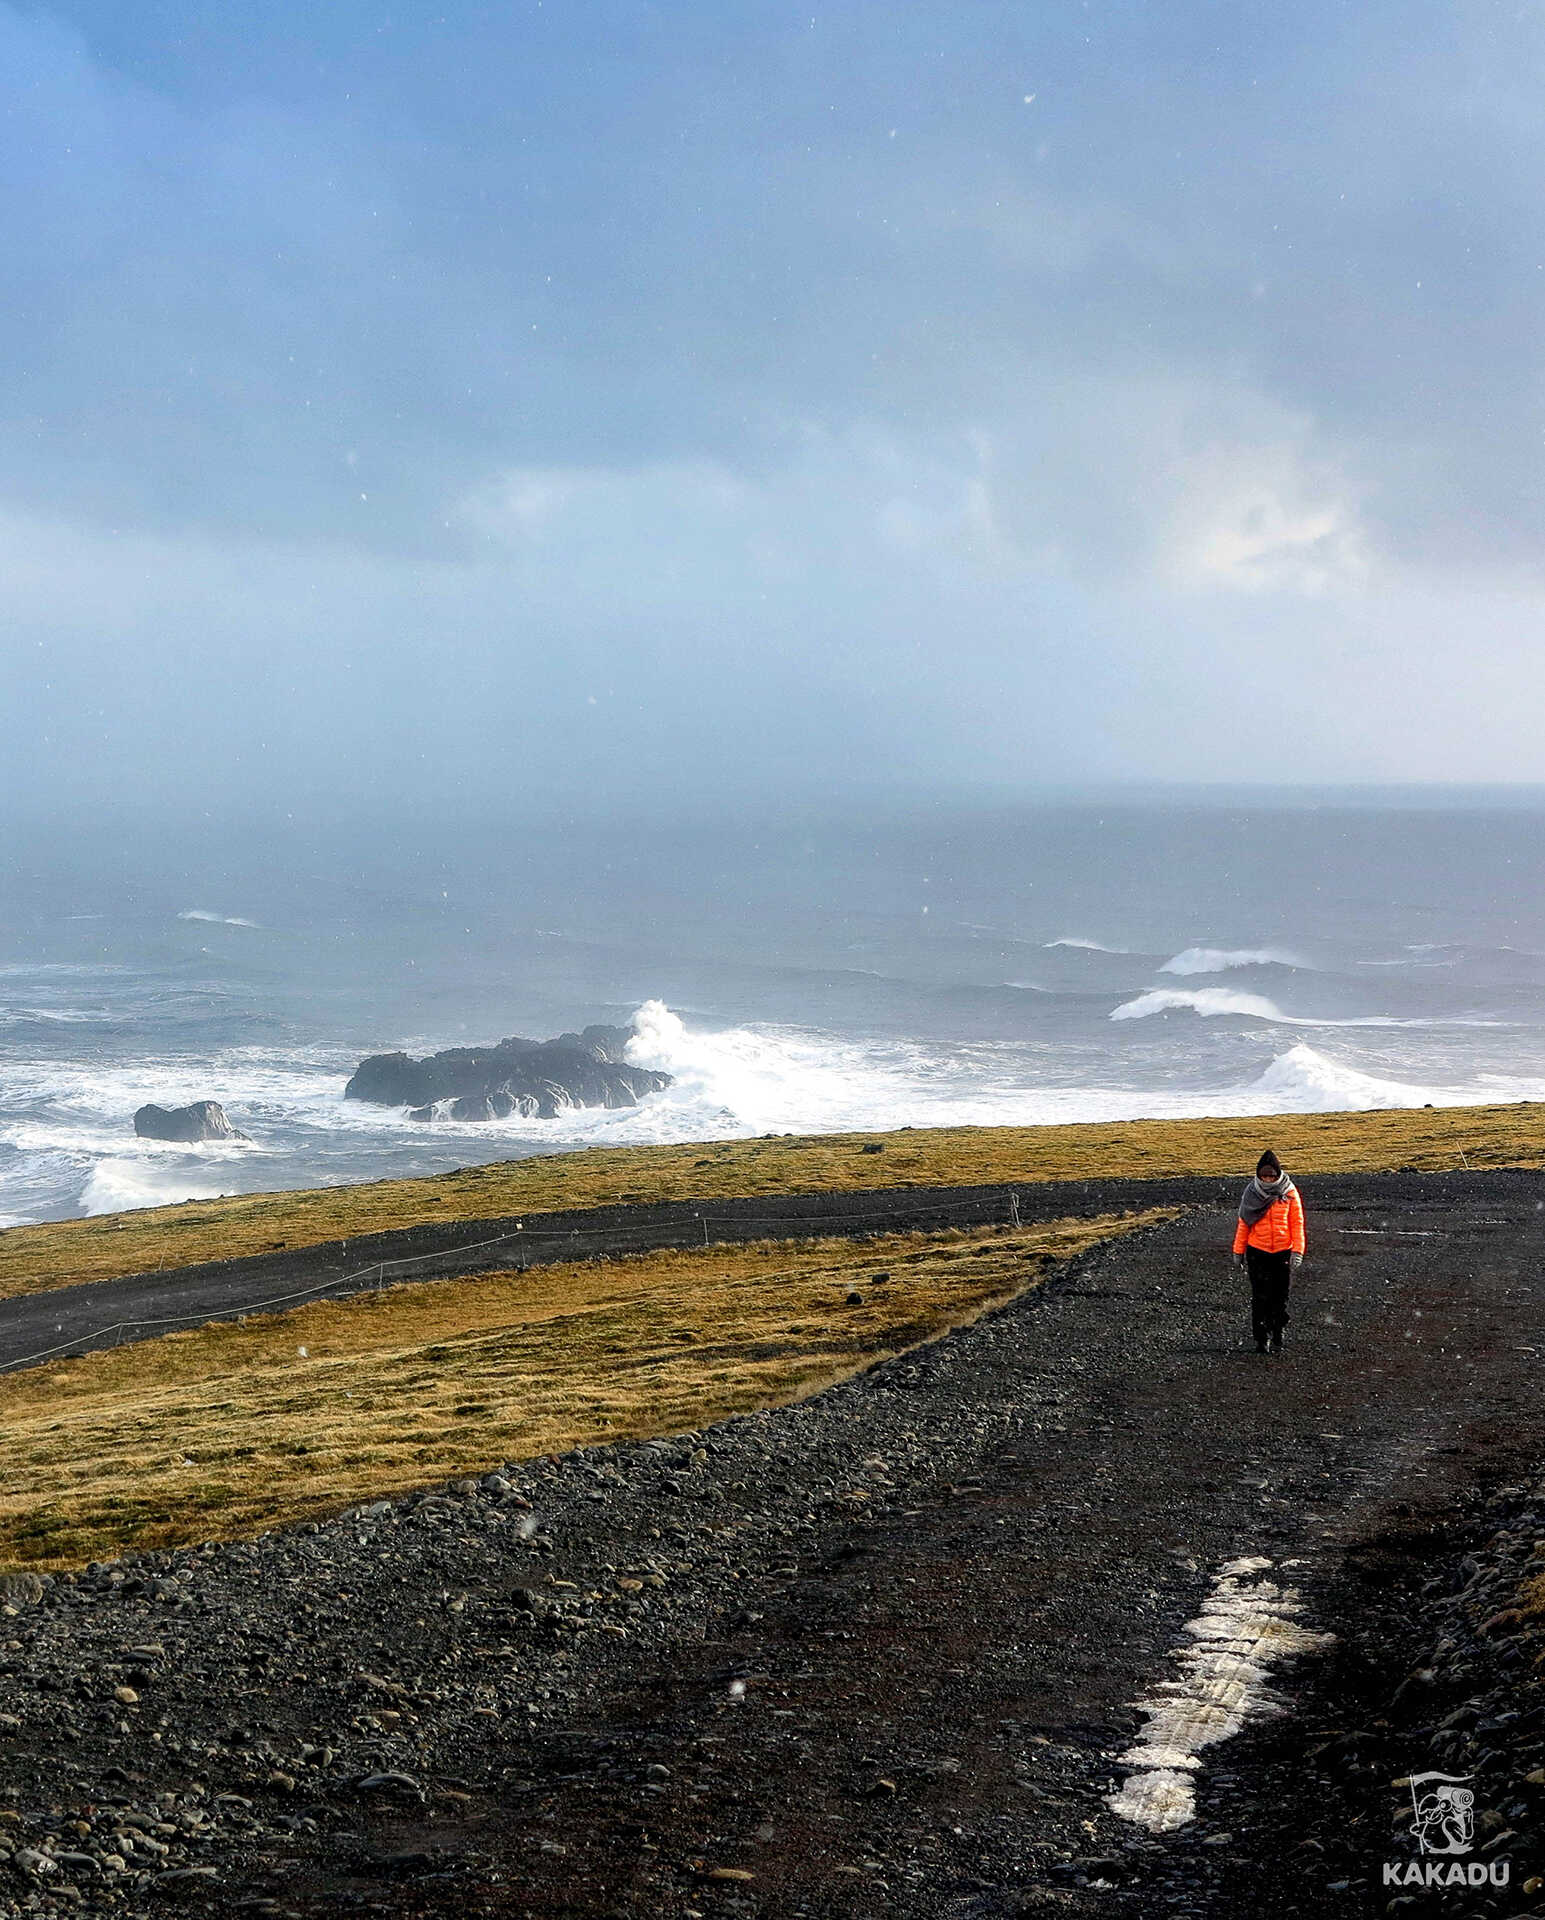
{"points": [[62, 1253], [231, 1429]]}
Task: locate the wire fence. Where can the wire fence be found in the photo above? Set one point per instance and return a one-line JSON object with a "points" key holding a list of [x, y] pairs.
{"points": [[374, 1276]]}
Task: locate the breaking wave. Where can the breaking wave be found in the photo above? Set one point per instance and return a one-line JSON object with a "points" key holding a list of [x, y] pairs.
{"points": [[1087, 946], [765, 1078], [1209, 1002], [1303, 1081], [215, 919], [52, 1016], [1225, 959], [1215, 1002], [115, 1186]]}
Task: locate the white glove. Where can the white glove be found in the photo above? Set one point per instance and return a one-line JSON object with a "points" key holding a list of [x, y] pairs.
{"points": [[1295, 1261]]}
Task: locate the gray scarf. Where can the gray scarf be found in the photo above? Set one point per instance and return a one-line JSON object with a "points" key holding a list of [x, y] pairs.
{"points": [[1260, 1197]]}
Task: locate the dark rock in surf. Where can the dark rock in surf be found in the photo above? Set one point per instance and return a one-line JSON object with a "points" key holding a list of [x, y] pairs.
{"points": [[201, 1120], [537, 1079]]}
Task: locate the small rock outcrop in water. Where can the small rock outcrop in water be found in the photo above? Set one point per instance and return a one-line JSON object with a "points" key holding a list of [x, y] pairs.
{"points": [[202, 1120], [537, 1079]]}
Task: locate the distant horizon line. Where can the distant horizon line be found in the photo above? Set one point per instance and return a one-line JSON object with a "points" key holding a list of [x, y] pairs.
{"points": [[579, 808]]}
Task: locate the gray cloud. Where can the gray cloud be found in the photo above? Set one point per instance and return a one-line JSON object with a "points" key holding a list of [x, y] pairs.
{"points": [[968, 397]]}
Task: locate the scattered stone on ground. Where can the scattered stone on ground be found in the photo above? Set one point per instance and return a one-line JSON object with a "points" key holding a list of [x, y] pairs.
{"points": [[870, 1657]]}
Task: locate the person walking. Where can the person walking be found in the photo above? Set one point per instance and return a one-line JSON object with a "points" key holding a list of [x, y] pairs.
{"points": [[1269, 1247]]}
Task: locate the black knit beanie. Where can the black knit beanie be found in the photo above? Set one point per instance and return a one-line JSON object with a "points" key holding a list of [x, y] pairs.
{"points": [[1268, 1164]]}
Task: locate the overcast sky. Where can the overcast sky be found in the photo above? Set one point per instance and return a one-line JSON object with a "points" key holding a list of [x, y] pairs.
{"points": [[716, 398]]}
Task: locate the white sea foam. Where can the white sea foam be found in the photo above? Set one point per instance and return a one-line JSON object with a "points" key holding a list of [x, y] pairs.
{"points": [[66, 1135], [779, 1078], [74, 1134], [1225, 959], [216, 919], [114, 1186], [753, 1080], [247, 1081], [785, 1079], [1087, 946]]}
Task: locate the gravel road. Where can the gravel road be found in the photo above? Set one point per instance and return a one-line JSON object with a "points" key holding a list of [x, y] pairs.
{"points": [[139, 1306], [874, 1655]]}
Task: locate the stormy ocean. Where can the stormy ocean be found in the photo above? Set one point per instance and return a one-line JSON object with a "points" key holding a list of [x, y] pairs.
{"points": [[863, 968]]}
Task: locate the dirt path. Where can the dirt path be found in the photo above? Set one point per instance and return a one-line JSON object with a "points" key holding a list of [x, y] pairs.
{"points": [[871, 1656]]}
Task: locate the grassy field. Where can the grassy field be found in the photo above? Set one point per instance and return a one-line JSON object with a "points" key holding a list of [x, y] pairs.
{"points": [[33, 1259], [233, 1429]]}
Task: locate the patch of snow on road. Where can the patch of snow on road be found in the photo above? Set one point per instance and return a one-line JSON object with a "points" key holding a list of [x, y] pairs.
{"points": [[1248, 1624]]}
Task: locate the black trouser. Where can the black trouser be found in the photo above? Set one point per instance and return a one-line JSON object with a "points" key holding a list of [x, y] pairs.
{"points": [[1270, 1274]]}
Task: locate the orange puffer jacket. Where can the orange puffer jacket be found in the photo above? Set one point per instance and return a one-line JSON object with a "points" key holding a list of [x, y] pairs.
{"points": [[1280, 1228]]}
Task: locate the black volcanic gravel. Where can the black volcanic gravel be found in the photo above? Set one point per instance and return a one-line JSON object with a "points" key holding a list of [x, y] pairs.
{"points": [[873, 1655]]}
